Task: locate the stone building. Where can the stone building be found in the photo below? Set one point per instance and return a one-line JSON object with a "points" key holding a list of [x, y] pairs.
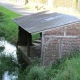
{"points": [[59, 36]]}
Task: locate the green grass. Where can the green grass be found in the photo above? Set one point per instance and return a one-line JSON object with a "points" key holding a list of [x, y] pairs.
{"points": [[35, 36], [2, 20], [65, 69], [9, 27], [69, 69]]}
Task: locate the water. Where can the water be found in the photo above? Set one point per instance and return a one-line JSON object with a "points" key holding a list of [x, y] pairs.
{"points": [[6, 76], [8, 50]]}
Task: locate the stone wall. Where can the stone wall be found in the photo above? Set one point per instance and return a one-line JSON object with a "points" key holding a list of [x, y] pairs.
{"points": [[58, 42]]}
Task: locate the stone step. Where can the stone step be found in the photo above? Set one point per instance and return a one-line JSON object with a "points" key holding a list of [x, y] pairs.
{"points": [[36, 44], [37, 41]]}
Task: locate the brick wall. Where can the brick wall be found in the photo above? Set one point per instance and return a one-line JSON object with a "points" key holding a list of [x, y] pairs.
{"points": [[55, 45]]}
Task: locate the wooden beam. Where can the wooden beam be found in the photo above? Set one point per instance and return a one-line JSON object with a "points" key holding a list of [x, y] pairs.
{"points": [[52, 36], [60, 48], [29, 43], [22, 37], [64, 31]]}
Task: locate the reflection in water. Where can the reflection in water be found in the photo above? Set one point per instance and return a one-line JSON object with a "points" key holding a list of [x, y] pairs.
{"points": [[8, 76], [8, 50]]}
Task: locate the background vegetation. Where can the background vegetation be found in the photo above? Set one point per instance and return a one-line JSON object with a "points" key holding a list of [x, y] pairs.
{"points": [[59, 3], [38, 1], [65, 3]]}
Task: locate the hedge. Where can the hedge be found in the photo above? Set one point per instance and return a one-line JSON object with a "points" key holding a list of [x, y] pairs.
{"points": [[65, 3]]}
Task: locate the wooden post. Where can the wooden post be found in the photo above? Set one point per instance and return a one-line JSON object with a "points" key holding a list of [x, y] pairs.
{"points": [[22, 37], [42, 48], [29, 43], [64, 31], [40, 35], [60, 48]]}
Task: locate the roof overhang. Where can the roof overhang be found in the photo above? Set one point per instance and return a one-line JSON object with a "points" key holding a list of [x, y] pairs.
{"points": [[41, 21]]}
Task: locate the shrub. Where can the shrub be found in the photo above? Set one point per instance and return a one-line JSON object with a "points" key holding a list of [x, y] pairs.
{"points": [[68, 73], [65, 3], [36, 73]]}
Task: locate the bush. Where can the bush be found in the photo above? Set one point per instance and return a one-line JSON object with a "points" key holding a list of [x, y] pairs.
{"points": [[36, 73], [65, 3], [69, 73], [69, 69]]}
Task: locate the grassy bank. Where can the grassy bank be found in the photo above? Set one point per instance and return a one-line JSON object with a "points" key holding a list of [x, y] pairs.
{"points": [[9, 27], [65, 69]]}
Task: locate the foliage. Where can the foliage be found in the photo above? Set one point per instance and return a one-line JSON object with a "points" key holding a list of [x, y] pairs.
{"points": [[66, 68], [65, 3], [36, 73], [7, 63], [70, 69], [35, 36], [1, 49], [1, 17]]}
